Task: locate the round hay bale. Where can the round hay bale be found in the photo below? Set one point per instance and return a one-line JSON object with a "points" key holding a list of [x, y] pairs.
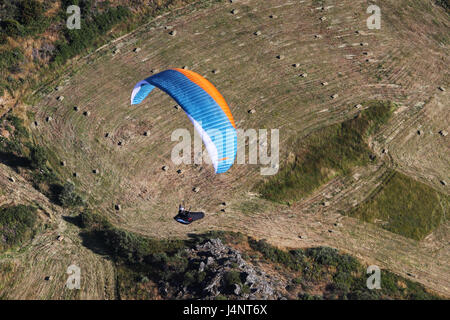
{"points": [[335, 96], [252, 111], [272, 16], [179, 171], [296, 65], [196, 189], [118, 207], [62, 163], [136, 50], [280, 57], [60, 98], [173, 33], [358, 106], [119, 143], [107, 135], [165, 168], [443, 133], [12, 179], [304, 75], [215, 71], [75, 174], [76, 108], [324, 83], [147, 133], [234, 11], [443, 182], [441, 88], [95, 171], [87, 113], [48, 119], [257, 33], [36, 123]]}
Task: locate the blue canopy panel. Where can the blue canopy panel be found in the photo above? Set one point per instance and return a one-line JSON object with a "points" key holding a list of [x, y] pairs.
{"points": [[209, 119]]}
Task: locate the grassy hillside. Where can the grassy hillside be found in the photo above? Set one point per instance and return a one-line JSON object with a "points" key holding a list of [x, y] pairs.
{"points": [[35, 43], [302, 66], [404, 206], [327, 153], [314, 273], [17, 225]]}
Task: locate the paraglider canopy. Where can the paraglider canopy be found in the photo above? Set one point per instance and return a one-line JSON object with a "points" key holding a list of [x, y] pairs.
{"points": [[204, 106]]}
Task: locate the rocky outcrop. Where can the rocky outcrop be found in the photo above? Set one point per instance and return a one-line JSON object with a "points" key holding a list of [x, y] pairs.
{"points": [[217, 260]]}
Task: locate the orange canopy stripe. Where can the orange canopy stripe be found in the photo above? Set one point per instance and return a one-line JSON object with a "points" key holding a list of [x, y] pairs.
{"points": [[210, 89]]}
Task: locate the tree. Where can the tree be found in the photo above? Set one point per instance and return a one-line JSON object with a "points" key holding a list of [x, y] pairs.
{"points": [[38, 158], [30, 11], [68, 196]]}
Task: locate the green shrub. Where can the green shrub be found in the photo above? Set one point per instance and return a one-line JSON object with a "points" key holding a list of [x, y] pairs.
{"points": [[297, 280], [231, 278], [12, 28], [331, 257], [77, 41], [19, 128], [68, 197], [307, 296], [93, 221], [17, 225], [133, 248], [38, 158], [30, 11], [10, 59]]}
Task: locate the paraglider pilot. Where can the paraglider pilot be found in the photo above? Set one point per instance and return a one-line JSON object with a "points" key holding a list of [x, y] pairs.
{"points": [[181, 210]]}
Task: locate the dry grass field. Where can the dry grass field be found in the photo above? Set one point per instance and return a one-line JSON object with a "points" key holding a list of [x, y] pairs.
{"points": [[404, 62]]}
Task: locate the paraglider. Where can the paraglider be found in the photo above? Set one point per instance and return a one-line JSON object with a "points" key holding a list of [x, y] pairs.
{"points": [[187, 216], [204, 106]]}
